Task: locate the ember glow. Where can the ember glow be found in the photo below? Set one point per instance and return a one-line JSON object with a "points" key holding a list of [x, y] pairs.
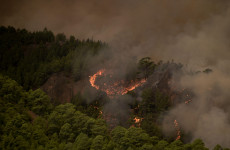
{"points": [[101, 112], [115, 88], [133, 85], [92, 79], [137, 120], [97, 108], [176, 125]]}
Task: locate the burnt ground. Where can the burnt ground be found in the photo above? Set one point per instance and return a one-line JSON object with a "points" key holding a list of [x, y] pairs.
{"points": [[61, 87]]}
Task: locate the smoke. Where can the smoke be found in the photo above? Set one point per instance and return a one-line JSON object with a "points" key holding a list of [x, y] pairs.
{"points": [[117, 111], [207, 116], [195, 33], [162, 29]]}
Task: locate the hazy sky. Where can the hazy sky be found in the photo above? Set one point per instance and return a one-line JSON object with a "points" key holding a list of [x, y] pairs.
{"points": [[146, 27], [105, 19]]}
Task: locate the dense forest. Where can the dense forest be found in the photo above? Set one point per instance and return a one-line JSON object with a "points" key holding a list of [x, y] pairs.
{"points": [[31, 119]]}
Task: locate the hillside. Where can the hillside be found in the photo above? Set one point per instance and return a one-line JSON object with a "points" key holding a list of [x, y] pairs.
{"points": [[55, 94]]}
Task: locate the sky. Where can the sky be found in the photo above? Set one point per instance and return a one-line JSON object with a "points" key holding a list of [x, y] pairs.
{"points": [[147, 27]]}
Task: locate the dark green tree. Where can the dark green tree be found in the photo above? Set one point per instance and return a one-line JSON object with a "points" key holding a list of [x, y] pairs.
{"points": [[39, 102], [82, 142], [146, 67], [97, 143]]}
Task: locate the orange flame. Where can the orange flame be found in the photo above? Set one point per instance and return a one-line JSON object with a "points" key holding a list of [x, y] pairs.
{"points": [[117, 88], [97, 108], [137, 120], [133, 86], [176, 125], [100, 112], [92, 79]]}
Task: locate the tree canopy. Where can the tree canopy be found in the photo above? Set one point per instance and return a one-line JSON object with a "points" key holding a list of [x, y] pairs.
{"points": [[29, 119]]}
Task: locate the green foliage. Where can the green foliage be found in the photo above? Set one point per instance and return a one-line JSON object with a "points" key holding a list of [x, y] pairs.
{"points": [[153, 102], [161, 145], [161, 101], [147, 147], [217, 147], [82, 142], [39, 102], [97, 143], [136, 137], [20, 143], [34, 56], [198, 144], [176, 145], [64, 127], [28, 120], [149, 125], [148, 104], [117, 134], [65, 133], [146, 67], [60, 37], [10, 91]]}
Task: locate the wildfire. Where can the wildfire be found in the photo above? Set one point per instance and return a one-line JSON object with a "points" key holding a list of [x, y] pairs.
{"points": [[133, 86], [176, 125], [137, 120], [92, 79], [116, 88], [97, 108], [100, 112]]}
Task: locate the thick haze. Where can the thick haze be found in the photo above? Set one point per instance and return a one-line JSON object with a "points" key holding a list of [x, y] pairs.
{"points": [[131, 25], [193, 32], [140, 27]]}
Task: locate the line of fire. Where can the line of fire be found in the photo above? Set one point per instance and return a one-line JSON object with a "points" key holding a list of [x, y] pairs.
{"points": [[161, 80]]}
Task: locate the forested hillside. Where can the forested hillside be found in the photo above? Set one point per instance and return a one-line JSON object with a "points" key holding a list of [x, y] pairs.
{"points": [[31, 120], [31, 57]]}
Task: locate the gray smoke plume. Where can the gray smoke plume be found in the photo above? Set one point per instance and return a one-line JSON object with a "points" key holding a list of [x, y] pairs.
{"points": [[207, 116], [195, 33]]}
